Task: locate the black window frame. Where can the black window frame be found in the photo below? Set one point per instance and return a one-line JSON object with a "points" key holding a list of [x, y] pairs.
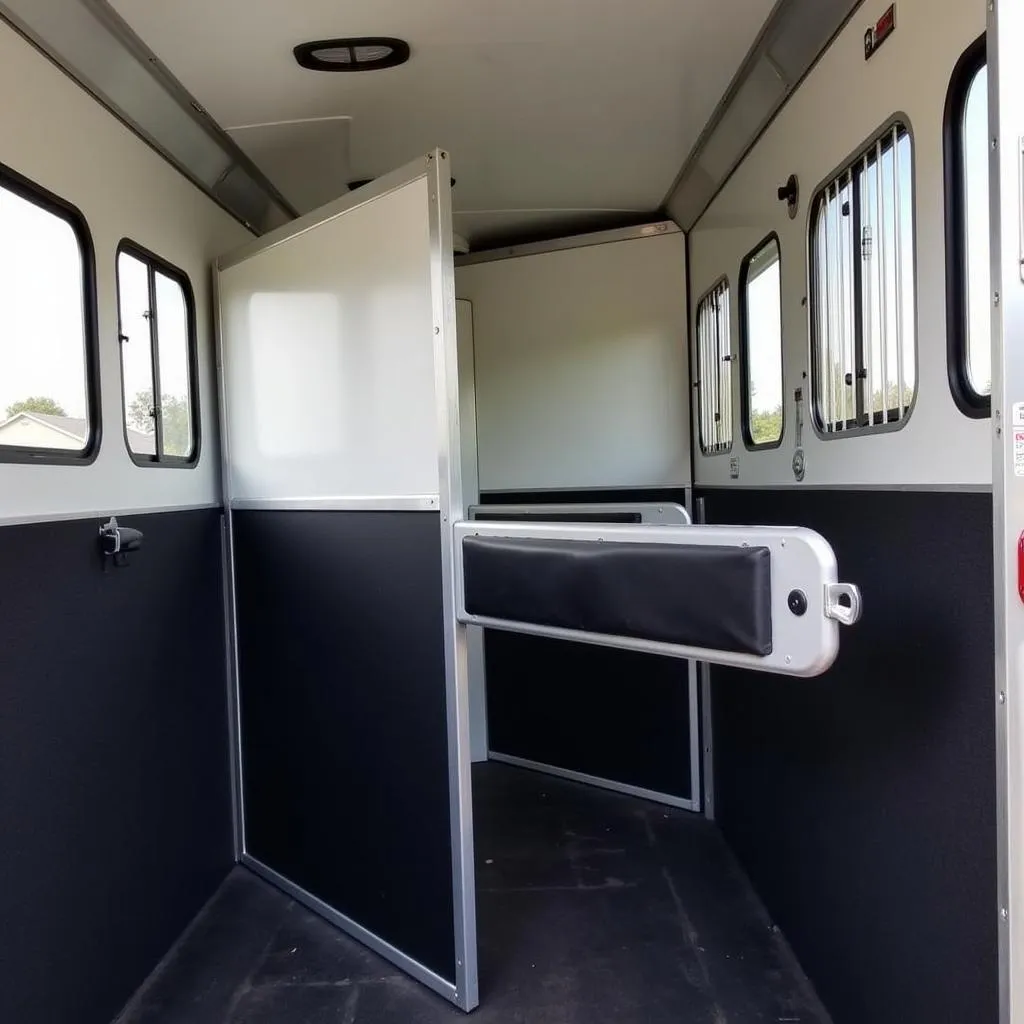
{"points": [[155, 263], [32, 192], [744, 349], [864, 422], [969, 401]]}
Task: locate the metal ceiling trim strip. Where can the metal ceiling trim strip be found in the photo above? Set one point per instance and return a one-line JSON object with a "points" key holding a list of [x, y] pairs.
{"points": [[240, 179], [775, 28]]}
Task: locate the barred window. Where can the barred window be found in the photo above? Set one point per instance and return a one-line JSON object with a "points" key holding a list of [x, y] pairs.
{"points": [[863, 352], [714, 371]]}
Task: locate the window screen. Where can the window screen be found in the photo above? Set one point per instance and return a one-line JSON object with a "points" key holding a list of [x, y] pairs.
{"points": [[48, 392], [863, 351], [714, 371], [158, 359], [761, 345], [967, 228]]}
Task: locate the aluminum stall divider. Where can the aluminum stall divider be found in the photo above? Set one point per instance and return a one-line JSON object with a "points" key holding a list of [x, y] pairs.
{"points": [[619, 720], [342, 479]]}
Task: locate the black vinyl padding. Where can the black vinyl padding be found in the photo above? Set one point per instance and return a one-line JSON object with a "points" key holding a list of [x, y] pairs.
{"points": [[344, 716], [115, 796], [862, 805], [709, 596]]}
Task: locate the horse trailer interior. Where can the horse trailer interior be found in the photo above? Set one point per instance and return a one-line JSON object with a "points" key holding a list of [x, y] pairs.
{"points": [[512, 509]]}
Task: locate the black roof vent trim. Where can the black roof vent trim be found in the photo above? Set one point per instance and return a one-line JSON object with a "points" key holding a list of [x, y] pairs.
{"points": [[366, 53]]}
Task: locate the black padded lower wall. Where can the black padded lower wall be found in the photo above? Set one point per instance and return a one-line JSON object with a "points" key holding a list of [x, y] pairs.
{"points": [[344, 722], [115, 805], [613, 714], [862, 803], [617, 715]]}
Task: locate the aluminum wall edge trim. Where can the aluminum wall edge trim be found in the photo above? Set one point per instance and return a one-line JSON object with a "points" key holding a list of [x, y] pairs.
{"points": [[230, 599], [1006, 220]]}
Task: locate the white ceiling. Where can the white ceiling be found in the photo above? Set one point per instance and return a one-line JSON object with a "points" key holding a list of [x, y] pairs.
{"points": [[558, 114]]}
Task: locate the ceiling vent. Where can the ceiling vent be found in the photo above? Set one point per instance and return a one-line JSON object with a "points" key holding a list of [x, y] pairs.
{"points": [[369, 53]]}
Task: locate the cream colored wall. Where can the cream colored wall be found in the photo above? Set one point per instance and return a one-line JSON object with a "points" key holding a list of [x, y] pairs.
{"points": [[841, 103], [581, 370], [56, 134]]}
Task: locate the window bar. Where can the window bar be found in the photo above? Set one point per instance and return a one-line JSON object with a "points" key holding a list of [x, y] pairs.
{"points": [[883, 290], [719, 367], [709, 380], [846, 299], [709, 377], [702, 376], [716, 349], [154, 355], [826, 338], [726, 371], [899, 268], [867, 343], [821, 312], [839, 358], [836, 339]]}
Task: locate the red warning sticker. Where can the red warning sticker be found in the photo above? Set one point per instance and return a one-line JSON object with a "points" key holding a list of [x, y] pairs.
{"points": [[877, 34]]}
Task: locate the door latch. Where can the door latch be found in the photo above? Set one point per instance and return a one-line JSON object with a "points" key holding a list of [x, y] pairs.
{"points": [[117, 541]]}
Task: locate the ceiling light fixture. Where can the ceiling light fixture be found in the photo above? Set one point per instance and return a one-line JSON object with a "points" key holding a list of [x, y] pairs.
{"points": [[367, 53]]}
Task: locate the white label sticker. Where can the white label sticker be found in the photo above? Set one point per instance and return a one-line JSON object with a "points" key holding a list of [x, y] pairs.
{"points": [[1018, 414], [1018, 452], [734, 468]]}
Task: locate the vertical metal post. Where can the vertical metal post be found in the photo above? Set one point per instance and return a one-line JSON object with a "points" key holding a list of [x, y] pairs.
{"points": [[1006, 138], [700, 673]]}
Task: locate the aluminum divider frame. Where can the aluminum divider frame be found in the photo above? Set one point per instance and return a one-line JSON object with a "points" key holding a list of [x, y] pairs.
{"points": [[802, 645], [1006, 224], [435, 168], [700, 673], [660, 512], [230, 602], [456, 650]]}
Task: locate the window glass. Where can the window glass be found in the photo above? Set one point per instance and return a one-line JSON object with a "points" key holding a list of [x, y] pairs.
{"points": [[176, 402], [978, 351], [762, 346], [44, 334], [157, 359]]}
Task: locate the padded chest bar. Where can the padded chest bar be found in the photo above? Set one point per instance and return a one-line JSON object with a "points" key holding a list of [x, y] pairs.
{"points": [[706, 596], [762, 597]]}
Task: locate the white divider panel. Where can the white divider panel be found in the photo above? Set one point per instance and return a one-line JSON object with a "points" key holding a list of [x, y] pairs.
{"points": [[328, 360]]}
